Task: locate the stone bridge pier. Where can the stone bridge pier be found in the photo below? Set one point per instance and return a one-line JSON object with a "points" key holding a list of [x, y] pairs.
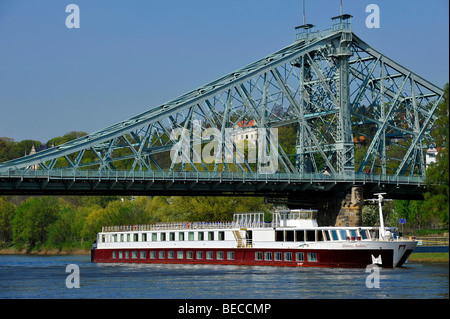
{"points": [[338, 209], [343, 209]]}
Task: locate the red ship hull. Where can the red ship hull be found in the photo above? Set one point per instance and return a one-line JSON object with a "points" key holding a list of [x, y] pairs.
{"points": [[249, 256]]}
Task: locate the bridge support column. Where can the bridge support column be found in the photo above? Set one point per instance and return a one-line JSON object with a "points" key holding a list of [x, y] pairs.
{"points": [[343, 209]]}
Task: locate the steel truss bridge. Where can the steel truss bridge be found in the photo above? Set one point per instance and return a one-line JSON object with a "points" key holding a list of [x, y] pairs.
{"points": [[356, 118]]}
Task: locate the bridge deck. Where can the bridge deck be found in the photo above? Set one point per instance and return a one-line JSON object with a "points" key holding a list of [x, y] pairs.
{"points": [[85, 182]]}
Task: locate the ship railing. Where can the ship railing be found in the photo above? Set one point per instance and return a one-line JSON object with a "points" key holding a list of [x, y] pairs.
{"points": [[169, 226], [186, 226]]}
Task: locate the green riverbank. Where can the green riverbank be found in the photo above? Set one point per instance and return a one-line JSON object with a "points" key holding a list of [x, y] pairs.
{"points": [[429, 257]]}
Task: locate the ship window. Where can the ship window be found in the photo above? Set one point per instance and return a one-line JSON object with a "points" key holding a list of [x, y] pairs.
{"points": [[180, 255], [162, 255], [279, 235], [320, 236], [191, 235], [353, 233], [127, 254], [219, 255], [144, 237], [334, 235], [221, 235], [201, 235], [170, 254], [363, 234], [289, 235], [268, 255], [189, 254], [128, 237], [181, 236], [114, 255], [115, 238], [209, 255], [278, 256], [121, 237], [310, 235], [312, 257], [299, 235], [199, 255], [142, 254], [327, 234], [210, 235], [171, 236], [152, 254], [163, 237], [343, 234], [258, 255], [120, 254], [288, 256], [230, 255], [103, 239], [154, 236], [299, 257], [134, 254]]}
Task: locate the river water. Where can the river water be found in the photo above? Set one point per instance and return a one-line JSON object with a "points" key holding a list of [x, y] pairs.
{"points": [[23, 276]]}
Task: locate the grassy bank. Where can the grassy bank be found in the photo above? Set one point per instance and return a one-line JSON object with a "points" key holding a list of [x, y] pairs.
{"points": [[429, 257]]}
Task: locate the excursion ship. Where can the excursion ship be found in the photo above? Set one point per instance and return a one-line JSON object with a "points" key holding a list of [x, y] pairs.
{"points": [[292, 238]]}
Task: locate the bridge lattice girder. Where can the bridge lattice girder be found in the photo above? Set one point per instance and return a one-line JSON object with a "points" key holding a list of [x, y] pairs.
{"points": [[330, 86]]}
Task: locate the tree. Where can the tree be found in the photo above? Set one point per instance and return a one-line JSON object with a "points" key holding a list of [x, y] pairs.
{"points": [[32, 220], [437, 197], [8, 149], [7, 210], [211, 208], [287, 139], [66, 138], [67, 228]]}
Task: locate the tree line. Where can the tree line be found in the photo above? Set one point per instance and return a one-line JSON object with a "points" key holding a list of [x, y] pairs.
{"points": [[72, 222]]}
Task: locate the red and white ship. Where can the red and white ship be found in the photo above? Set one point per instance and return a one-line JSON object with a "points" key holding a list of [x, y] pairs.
{"points": [[293, 238]]}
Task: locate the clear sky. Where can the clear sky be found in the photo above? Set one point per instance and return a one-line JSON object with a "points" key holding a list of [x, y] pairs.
{"points": [[130, 56]]}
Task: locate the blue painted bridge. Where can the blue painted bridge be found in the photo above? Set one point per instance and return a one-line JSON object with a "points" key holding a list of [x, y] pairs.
{"points": [[85, 182], [360, 119]]}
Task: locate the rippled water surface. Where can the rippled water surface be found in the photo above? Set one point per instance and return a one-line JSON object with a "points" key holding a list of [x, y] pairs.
{"points": [[45, 277]]}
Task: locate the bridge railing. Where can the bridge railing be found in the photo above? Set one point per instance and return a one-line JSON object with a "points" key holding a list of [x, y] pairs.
{"points": [[309, 36], [432, 241], [209, 176]]}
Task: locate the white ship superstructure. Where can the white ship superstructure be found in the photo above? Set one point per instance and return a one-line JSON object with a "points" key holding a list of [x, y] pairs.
{"points": [[292, 238]]}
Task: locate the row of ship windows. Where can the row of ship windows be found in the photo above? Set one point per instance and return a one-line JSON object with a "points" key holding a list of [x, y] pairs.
{"points": [[320, 235], [280, 235], [259, 256], [163, 236]]}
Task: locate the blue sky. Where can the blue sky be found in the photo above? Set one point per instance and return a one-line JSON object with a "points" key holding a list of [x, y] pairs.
{"points": [[130, 56]]}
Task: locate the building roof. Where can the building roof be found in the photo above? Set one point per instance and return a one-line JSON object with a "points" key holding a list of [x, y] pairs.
{"points": [[245, 123]]}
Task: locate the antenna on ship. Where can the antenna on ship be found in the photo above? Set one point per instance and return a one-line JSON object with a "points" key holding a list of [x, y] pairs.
{"points": [[380, 209]]}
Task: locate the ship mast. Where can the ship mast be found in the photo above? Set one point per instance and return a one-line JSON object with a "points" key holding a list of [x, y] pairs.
{"points": [[380, 209]]}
